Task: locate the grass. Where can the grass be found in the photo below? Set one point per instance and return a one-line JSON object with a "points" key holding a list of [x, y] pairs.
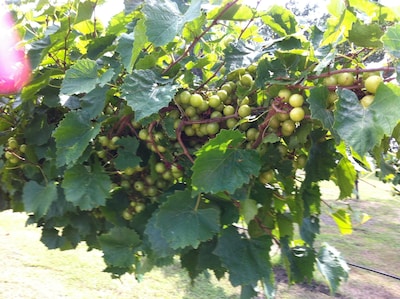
{"points": [[30, 271]]}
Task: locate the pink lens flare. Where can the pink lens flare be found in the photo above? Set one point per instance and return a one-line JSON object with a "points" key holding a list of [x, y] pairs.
{"points": [[15, 69]]}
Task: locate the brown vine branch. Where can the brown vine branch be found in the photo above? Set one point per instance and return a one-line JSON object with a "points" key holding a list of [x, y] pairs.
{"points": [[198, 38]]}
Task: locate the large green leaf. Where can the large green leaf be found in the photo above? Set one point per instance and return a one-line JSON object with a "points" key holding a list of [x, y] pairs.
{"points": [[73, 135], [127, 153], [147, 93], [391, 40], [345, 177], [222, 166], [343, 221], [164, 20], [86, 189], [182, 224], [386, 107], [80, 78], [93, 102], [355, 125], [246, 259], [318, 101], [37, 198], [281, 20], [236, 11], [364, 35], [321, 159], [299, 261], [119, 246], [332, 266]]}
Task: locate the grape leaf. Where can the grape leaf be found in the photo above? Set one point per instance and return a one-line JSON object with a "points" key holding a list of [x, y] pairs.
{"points": [[343, 221], [356, 125], [345, 177], [366, 35], [241, 53], [318, 101], [309, 229], [222, 166], [386, 107], [147, 93], [332, 266], [182, 224], [249, 209], [164, 20], [93, 102], [321, 160], [391, 40], [158, 243], [246, 259], [281, 20], [80, 78], [37, 198], [86, 189], [237, 11], [298, 260], [119, 246], [73, 135], [127, 153]]}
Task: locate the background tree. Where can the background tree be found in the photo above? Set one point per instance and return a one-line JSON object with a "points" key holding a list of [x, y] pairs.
{"points": [[182, 130]]}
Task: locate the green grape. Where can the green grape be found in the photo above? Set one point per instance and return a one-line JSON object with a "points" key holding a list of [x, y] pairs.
{"points": [[196, 100], [214, 101], [212, 128], [228, 110], [231, 123], [244, 111]]}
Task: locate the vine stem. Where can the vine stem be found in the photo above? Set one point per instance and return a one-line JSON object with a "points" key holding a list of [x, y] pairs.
{"points": [[352, 70], [198, 38], [197, 202]]}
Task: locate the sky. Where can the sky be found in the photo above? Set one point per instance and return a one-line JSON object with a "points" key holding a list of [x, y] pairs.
{"points": [[112, 7]]}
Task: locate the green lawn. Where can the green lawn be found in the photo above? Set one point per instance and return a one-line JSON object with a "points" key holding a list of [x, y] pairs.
{"points": [[30, 271]]}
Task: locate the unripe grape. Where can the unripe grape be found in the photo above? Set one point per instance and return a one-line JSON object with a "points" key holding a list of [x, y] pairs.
{"points": [[222, 94], [129, 170], [139, 186], [372, 83], [189, 131], [216, 114], [160, 167], [274, 122], [12, 143], [190, 111], [267, 177], [345, 79], [229, 110], [22, 148], [196, 100], [143, 134], [252, 134], [167, 175], [367, 100], [247, 80], [214, 101], [184, 97], [244, 111], [227, 88], [212, 128], [296, 100], [297, 114], [204, 106], [282, 116], [231, 123], [104, 141], [139, 207], [288, 127], [127, 215], [284, 94], [330, 81]]}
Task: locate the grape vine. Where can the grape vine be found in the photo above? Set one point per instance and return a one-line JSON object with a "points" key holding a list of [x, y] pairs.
{"points": [[196, 131]]}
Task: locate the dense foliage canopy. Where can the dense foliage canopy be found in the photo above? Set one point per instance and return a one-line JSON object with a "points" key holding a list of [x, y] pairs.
{"points": [[198, 131]]}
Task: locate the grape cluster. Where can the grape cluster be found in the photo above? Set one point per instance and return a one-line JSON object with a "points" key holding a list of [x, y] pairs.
{"points": [[14, 152], [365, 87]]}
